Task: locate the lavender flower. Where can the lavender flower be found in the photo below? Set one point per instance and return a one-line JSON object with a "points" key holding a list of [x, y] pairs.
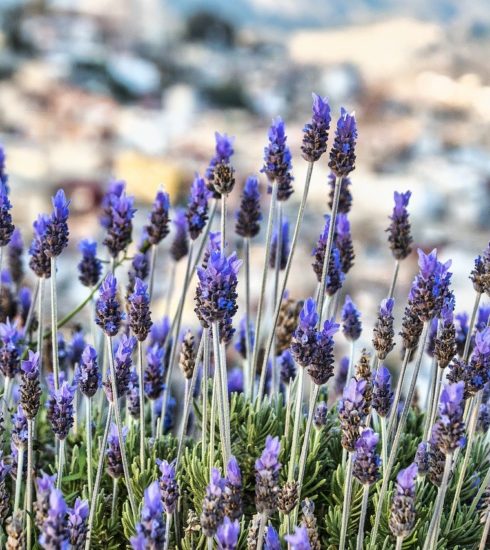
{"points": [[108, 314], [25, 301], [351, 412], [54, 531], [351, 320], [187, 357], [219, 166], [480, 276], [113, 452], [15, 251], [277, 160], [123, 352], [241, 343], [483, 317], [180, 245], [6, 225], [461, 326], [76, 347], [3, 171], [430, 288], [151, 527], [335, 276], [213, 504], [422, 458], [169, 488], [272, 541], [139, 311], [233, 506], [40, 262], [341, 376], [249, 215], [133, 395], [60, 410], [316, 132], [10, 337], [299, 539], [30, 388], [235, 381], [88, 374], [403, 514], [159, 332], [157, 228], [287, 367], [18, 434], [399, 231], [55, 237], [4, 492], [448, 431], [343, 241], [44, 485], [154, 372], [197, 207], [227, 534], [321, 367], [345, 196], [77, 523], [119, 223], [304, 338], [383, 332], [445, 340], [320, 415], [382, 394], [216, 290], [342, 152], [366, 461], [478, 372], [411, 328], [283, 247], [267, 477], [140, 269]]}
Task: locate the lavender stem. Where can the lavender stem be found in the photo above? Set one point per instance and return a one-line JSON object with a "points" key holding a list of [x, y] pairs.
{"points": [[347, 501], [205, 388], [471, 326], [394, 279], [249, 382], [88, 430], [362, 519], [277, 273], [30, 432], [486, 531], [168, 527], [398, 391], [297, 422], [401, 426], [114, 496], [151, 278], [222, 395], [170, 289], [141, 404], [30, 313], [261, 533], [54, 324], [18, 478], [431, 401], [223, 224], [384, 441]]}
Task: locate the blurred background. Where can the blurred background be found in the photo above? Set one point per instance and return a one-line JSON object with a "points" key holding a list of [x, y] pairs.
{"points": [[134, 89]]}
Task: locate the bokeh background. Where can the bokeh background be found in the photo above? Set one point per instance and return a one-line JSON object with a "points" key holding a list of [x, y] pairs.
{"points": [[134, 89]]}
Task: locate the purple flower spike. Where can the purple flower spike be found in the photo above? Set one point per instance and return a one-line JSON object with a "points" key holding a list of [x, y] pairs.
{"points": [[113, 452], [219, 175], [241, 342], [139, 317], [55, 237], [272, 541], [299, 539], [18, 434], [123, 352], [448, 431], [351, 412], [213, 504], [430, 289], [77, 523], [227, 534], [283, 247], [6, 225], [154, 372], [305, 336], [9, 349], [342, 153], [158, 219], [267, 477], [180, 245], [15, 253], [233, 492], [89, 267], [322, 361], [343, 242], [60, 410], [216, 290], [197, 207], [40, 262], [108, 314], [249, 215], [366, 461], [351, 320], [315, 133], [383, 332], [169, 488], [151, 527], [120, 223], [159, 332], [403, 513], [54, 531], [405, 480], [287, 367], [30, 389], [382, 395], [223, 153], [88, 374], [399, 231], [422, 458], [480, 275], [277, 160]]}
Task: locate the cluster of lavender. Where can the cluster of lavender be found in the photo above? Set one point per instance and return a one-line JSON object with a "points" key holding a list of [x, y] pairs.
{"points": [[194, 455]]}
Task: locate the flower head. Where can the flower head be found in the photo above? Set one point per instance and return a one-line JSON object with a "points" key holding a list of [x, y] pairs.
{"points": [[287, 367], [272, 541], [233, 490], [123, 352], [40, 262], [180, 245], [351, 412], [382, 395], [18, 433], [267, 476], [10, 337], [197, 207], [119, 223], [30, 389], [315, 133], [299, 539], [77, 523], [55, 237], [366, 461], [249, 215], [113, 452], [151, 527], [158, 219], [139, 315], [277, 160], [213, 504], [89, 267], [6, 225], [169, 488], [399, 231], [54, 530], [108, 313], [448, 431], [227, 534], [342, 153], [343, 242], [351, 320], [220, 162], [480, 275], [88, 374], [60, 410], [403, 513], [154, 372], [282, 247]]}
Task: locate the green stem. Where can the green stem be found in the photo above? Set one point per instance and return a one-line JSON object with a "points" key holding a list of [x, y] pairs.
{"points": [[431, 399], [18, 477], [362, 519], [288, 411], [433, 532], [114, 497], [398, 391], [151, 278], [32, 307], [261, 533], [277, 273], [399, 543], [168, 527], [399, 431], [328, 249], [249, 383], [212, 423], [142, 405], [54, 325], [297, 422], [170, 289], [287, 270], [394, 279], [117, 414], [223, 224], [61, 463], [221, 395], [486, 531], [263, 287], [204, 389], [98, 477], [88, 434], [30, 436], [384, 440], [347, 503]]}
